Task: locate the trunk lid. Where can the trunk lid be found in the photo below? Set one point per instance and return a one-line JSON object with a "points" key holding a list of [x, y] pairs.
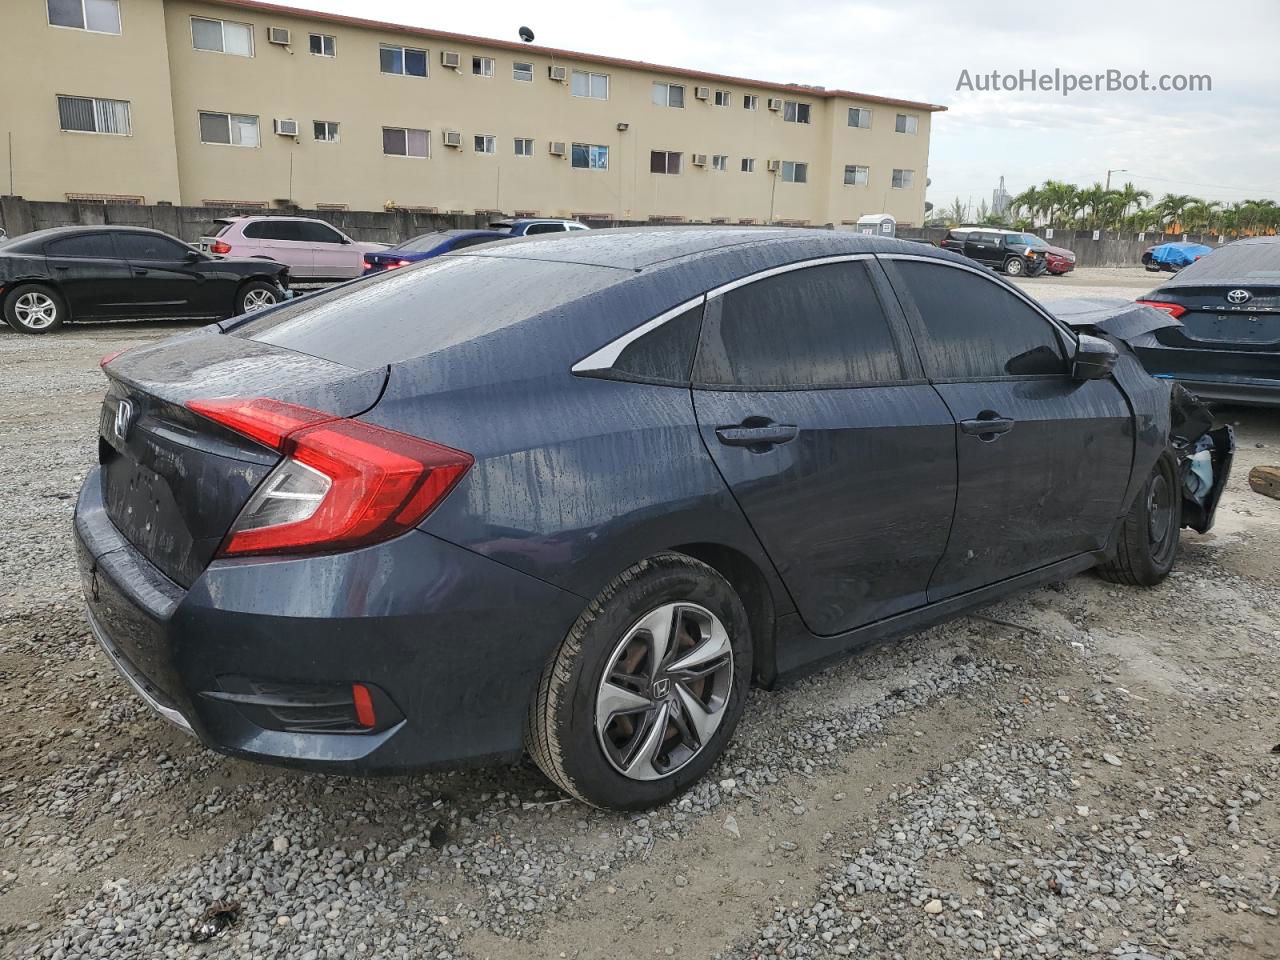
{"points": [[174, 482], [1215, 321]]}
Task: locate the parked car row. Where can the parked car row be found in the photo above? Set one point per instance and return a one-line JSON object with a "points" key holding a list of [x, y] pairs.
{"points": [[50, 277], [603, 485], [1013, 252]]}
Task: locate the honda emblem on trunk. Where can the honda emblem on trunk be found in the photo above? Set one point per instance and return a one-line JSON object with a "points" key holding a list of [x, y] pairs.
{"points": [[1238, 296], [120, 425]]}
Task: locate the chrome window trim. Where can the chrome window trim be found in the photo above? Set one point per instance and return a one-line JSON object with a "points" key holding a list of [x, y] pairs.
{"points": [[606, 356]]}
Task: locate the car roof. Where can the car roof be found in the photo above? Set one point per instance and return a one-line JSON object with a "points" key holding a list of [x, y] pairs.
{"points": [[517, 221], [642, 248], [53, 233], [1250, 261], [968, 229]]}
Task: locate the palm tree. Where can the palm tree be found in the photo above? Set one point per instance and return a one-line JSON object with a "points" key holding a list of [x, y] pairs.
{"points": [[956, 214]]}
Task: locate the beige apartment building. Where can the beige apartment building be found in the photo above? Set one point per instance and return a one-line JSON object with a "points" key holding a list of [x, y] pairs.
{"points": [[221, 102]]}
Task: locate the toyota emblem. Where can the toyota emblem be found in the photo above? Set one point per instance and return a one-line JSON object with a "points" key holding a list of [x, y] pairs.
{"points": [[1239, 296]]}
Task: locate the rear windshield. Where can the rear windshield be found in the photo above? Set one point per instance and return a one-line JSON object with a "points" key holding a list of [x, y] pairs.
{"points": [[428, 241], [445, 301], [1234, 263]]}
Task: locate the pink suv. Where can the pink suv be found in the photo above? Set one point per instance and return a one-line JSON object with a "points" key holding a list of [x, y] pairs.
{"points": [[313, 249]]}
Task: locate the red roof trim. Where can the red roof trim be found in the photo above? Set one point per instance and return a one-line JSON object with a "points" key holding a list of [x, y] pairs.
{"points": [[571, 54]]}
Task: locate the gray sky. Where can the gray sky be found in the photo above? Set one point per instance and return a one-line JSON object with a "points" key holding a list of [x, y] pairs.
{"points": [[1222, 145]]}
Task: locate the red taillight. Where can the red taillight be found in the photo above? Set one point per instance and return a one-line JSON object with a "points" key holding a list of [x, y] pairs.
{"points": [[109, 357], [220, 247], [1174, 310], [365, 715], [341, 484], [368, 260]]}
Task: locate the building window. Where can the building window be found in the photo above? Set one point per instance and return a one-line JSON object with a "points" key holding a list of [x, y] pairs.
{"points": [[222, 36], [860, 117], [903, 179], [664, 161], [748, 164], [795, 172], [593, 85], [229, 129], [793, 111], [750, 101], [99, 16], [406, 142], [856, 175], [91, 115], [668, 94], [402, 61], [522, 72], [724, 98], [485, 143], [524, 147], [482, 66], [323, 45], [719, 161], [325, 131], [590, 156], [906, 123]]}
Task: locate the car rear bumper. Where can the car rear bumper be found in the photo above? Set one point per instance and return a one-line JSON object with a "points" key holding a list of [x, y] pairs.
{"points": [[455, 641], [1232, 380], [1250, 392]]}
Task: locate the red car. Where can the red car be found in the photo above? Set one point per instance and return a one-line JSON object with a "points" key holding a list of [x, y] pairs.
{"points": [[1059, 259]]}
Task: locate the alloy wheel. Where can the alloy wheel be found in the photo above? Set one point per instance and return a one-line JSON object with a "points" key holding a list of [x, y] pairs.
{"points": [[257, 299], [35, 310], [664, 691]]}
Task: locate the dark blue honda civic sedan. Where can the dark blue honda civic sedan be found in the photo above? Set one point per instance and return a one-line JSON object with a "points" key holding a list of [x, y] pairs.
{"points": [[575, 494], [426, 246]]}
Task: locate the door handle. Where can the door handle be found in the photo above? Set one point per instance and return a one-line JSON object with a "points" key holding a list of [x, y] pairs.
{"points": [[757, 434], [61, 266], [139, 272], [987, 426]]}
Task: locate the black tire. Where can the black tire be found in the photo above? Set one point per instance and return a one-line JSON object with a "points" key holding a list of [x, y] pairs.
{"points": [[1014, 267], [253, 291], [29, 301], [562, 735], [1148, 541]]}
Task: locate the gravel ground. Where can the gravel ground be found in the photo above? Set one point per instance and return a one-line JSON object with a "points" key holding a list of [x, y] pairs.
{"points": [[1082, 770]]}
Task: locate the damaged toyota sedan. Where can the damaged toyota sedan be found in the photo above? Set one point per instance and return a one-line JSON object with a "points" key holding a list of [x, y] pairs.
{"points": [[574, 495]]}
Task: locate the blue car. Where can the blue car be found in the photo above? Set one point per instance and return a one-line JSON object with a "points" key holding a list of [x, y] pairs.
{"points": [[426, 246], [1174, 256], [576, 495]]}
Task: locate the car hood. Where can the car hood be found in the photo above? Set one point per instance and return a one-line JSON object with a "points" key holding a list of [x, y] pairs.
{"points": [[1060, 251], [1122, 319]]}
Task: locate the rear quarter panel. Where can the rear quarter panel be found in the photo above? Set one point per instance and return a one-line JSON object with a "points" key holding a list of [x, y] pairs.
{"points": [[575, 478]]}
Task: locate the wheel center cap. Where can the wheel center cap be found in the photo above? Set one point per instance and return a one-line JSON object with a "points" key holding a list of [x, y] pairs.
{"points": [[661, 687]]}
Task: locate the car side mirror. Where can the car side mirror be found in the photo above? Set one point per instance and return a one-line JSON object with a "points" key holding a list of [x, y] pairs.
{"points": [[1095, 358], [193, 256]]}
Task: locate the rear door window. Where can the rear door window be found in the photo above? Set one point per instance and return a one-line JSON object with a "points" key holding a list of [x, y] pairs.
{"points": [[146, 246], [815, 327], [315, 232], [274, 230], [974, 329], [90, 245]]}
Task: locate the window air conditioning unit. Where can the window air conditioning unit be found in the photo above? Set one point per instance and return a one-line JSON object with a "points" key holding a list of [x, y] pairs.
{"points": [[775, 103], [699, 159], [557, 148], [278, 35], [450, 59], [775, 166], [287, 128], [452, 138], [702, 93], [559, 74]]}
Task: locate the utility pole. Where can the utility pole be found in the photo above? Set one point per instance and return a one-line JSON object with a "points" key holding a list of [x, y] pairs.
{"points": [[1110, 172]]}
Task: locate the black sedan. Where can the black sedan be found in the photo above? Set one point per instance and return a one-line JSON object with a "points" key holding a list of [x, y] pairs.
{"points": [[576, 495], [50, 277], [1227, 344]]}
